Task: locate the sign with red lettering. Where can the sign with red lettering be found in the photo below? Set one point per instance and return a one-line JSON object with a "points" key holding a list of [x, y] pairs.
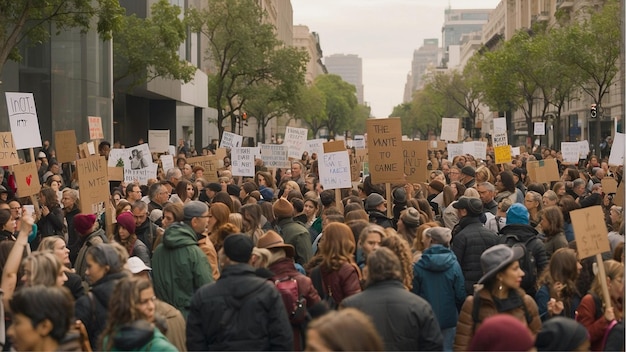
{"points": [[95, 127]]}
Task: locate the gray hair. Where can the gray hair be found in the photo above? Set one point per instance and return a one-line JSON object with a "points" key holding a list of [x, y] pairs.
{"points": [[154, 190], [173, 173], [72, 193], [488, 186]]}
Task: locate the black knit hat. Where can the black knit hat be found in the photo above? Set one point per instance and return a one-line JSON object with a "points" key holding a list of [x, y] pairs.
{"points": [[238, 247]]}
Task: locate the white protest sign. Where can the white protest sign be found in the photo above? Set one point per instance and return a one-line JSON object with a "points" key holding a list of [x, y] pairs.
{"points": [[159, 140], [95, 127], [231, 140], [296, 141], [540, 128], [315, 146], [454, 150], [570, 152], [335, 170], [515, 151], [583, 149], [171, 150], [475, 148], [242, 160], [23, 120], [91, 148], [450, 129], [167, 161], [499, 137], [617, 150], [140, 175], [275, 155], [116, 157]]}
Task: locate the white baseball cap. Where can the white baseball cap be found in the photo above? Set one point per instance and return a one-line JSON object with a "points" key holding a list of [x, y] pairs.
{"points": [[136, 265]]}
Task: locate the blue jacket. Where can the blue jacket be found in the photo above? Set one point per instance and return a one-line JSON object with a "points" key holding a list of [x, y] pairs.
{"points": [[437, 277]]}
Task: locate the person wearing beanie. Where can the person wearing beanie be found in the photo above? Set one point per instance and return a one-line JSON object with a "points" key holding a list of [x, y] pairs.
{"points": [[470, 239], [437, 277], [563, 334], [408, 223], [90, 235], [468, 174], [240, 311], [126, 236], [502, 332], [518, 230], [180, 267], [399, 197], [376, 207], [292, 232], [435, 188]]}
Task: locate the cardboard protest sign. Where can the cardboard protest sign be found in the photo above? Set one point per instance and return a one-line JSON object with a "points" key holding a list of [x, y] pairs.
{"points": [[609, 185], [296, 141], [384, 143], [477, 149], [142, 175], [450, 130], [221, 154], [515, 151], [540, 129], [8, 153], [617, 150], [570, 152], [209, 163], [159, 140], [499, 137], [27, 179], [415, 155], [95, 127], [436, 145], [115, 173], [231, 140], [543, 171], [94, 184], [502, 154], [590, 231], [334, 146], [275, 156], [23, 120], [167, 162], [356, 163], [454, 150], [65, 142], [242, 163], [315, 146], [618, 199]]}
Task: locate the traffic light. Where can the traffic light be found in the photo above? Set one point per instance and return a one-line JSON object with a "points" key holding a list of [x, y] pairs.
{"points": [[594, 111], [244, 116]]}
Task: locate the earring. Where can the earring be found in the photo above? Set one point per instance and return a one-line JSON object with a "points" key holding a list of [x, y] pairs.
{"points": [[500, 287]]}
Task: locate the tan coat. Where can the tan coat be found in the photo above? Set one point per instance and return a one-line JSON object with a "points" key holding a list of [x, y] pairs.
{"points": [[208, 248], [176, 325], [465, 327]]}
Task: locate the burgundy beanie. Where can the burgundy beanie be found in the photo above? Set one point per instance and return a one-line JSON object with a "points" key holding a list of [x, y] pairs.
{"points": [[84, 222], [127, 221], [502, 332]]}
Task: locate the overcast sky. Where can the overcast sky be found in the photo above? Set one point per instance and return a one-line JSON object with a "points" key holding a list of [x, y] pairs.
{"points": [[384, 33]]}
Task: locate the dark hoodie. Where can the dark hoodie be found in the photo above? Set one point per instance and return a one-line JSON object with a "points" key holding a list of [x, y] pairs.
{"points": [[240, 312], [179, 267], [439, 280]]}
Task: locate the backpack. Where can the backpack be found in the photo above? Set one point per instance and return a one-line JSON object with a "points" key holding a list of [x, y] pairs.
{"points": [[527, 261], [294, 302]]}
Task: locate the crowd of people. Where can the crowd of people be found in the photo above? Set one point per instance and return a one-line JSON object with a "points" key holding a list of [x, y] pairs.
{"points": [[478, 257]]}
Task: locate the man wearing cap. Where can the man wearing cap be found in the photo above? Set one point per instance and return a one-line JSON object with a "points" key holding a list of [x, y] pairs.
{"points": [[375, 206], [405, 321], [180, 266], [175, 321], [439, 280], [240, 311], [282, 265], [470, 239], [467, 176], [90, 235], [293, 233]]}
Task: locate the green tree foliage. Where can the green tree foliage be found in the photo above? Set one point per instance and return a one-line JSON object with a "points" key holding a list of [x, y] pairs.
{"points": [[30, 20], [310, 107], [428, 108], [361, 114], [245, 51], [408, 121], [341, 101], [147, 48]]}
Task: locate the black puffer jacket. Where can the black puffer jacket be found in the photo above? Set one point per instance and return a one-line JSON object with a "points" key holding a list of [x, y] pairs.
{"points": [[93, 313], [378, 218], [469, 242], [536, 247], [240, 312], [404, 320]]}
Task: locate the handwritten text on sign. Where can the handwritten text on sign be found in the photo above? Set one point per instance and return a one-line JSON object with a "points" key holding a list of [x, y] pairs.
{"points": [[23, 119], [335, 170], [590, 231], [502, 154], [242, 162], [275, 155], [296, 141], [93, 181], [95, 127], [415, 155], [385, 150], [140, 176], [231, 140], [8, 153], [209, 163]]}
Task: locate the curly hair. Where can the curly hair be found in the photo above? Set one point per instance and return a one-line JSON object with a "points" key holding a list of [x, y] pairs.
{"points": [[337, 246], [402, 249], [123, 309]]}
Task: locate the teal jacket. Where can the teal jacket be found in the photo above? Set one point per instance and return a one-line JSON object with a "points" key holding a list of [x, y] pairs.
{"points": [[180, 267], [133, 337]]}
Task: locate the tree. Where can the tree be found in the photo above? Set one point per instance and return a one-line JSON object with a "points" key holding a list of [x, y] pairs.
{"points": [[273, 96], [341, 101], [243, 48], [30, 20], [361, 114], [310, 107], [147, 48], [407, 119], [428, 108]]}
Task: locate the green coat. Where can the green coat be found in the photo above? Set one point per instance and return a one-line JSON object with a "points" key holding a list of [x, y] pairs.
{"points": [[130, 338], [297, 235], [179, 267]]}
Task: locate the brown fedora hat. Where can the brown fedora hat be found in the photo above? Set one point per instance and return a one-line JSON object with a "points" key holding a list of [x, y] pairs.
{"points": [[271, 239]]}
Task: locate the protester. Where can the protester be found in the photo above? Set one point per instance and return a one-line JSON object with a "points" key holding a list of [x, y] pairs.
{"points": [[557, 294], [292, 232], [346, 330]]}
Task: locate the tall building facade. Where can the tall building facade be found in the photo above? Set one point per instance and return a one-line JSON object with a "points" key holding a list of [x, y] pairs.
{"points": [[457, 23], [350, 68], [309, 42], [428, 55]]}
